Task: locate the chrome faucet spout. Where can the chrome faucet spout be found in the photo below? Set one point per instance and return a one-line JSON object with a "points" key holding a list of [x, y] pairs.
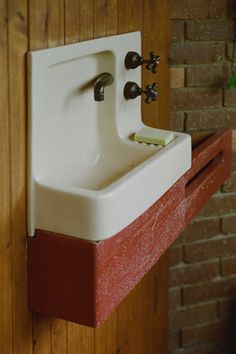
{"points": [[103, 80]]}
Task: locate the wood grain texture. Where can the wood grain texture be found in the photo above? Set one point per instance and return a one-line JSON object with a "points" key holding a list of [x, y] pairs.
{"points": [[86, 17], [156, 36], [106, 336], [74, 338], [130, 15], [145, 305], [55, 23], [105, 18], [87, 340], [72, 21], [38, 24], [6, 332], [112, 17], [17, 47], [41, 334], [100, 18], [31, 25], [58, 336]]}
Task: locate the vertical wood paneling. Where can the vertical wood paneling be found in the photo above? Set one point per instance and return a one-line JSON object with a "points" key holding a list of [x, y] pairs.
{"points": [[74, 338], [112, 17], [156, 36], [56, 23], [135, 327], [72, 21], [152, 299], [130, 15], [86, 20], [38, 24], [58, 336], [18, 46], [100, 18], [105, 18], [143, 314], [87, 340], [41, 334], [6, 332], [159, 325], [106, 340]]}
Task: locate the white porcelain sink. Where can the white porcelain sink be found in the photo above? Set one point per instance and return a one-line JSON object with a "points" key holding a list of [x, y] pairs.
{"points": [[87, 177]]}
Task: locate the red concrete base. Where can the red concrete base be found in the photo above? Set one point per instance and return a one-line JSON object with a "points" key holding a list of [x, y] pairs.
{"points": [[83, 281]]}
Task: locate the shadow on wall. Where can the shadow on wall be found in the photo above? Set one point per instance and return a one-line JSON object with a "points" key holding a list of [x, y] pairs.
{"points": [[232, 325], [233, 8]]}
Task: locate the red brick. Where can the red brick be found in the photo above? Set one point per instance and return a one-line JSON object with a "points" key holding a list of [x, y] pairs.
{"points": [[210, 30], [219, 204], [197, 52], [209, 291], [211, 119], [218, 9], [175, 255], [177, 30], [204, 333], [229, 266], [205, 75], [193, 315], [177, 121], [204, 248], [229, 224], [174, 298], [195, 98], [177, 76], [173, 340], [230, 98], [189, 9], [201, 251], [200, 229], [230, 184], [194, 273]]}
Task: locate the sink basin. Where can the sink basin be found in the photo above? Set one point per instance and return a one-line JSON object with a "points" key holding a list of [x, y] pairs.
{"points": [[87, 177]]}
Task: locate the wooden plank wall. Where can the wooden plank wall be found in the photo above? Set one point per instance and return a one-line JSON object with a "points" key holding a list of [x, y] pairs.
{"points": [[138, 325]]}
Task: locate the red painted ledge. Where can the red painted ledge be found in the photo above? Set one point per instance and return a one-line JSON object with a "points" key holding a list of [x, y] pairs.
{"points": [[83, 282]]}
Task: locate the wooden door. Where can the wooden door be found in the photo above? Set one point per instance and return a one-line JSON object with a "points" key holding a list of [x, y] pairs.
{"points": [[138, 326]]}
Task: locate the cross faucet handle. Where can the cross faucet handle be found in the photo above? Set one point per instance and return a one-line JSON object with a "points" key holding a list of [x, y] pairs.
{"points": [[133, 60], [153, 62], [151, 92], [132, 90]]}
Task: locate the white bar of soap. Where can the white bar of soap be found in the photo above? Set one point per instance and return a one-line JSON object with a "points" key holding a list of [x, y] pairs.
{"points": [[155, 136]]}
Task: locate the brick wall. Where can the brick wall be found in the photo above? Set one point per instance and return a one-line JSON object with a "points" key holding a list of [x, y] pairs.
{"points": [[202, 294]]}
